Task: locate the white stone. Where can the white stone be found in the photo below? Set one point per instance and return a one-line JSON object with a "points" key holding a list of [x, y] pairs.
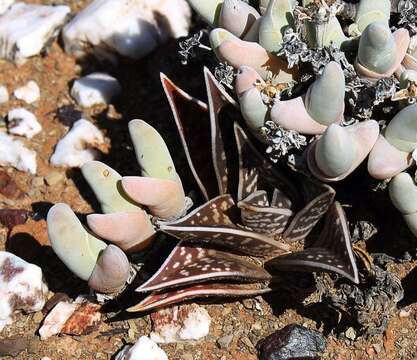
{"points": [[145, 349], [131, 28], [56, 319], [22, 122], [25, 29], [77, 146], [186, 322], [4, 5], [21, 287], [4, 95], [14, 153], [95, 89], [29, 93]]}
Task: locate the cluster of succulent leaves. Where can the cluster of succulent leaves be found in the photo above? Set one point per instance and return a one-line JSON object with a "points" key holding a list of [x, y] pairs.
{"points": [[302, 85]]}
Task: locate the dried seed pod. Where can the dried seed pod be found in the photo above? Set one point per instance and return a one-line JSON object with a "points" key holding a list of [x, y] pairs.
{"points": [[85, 255], [392, 151], [237, 17], [340, 150]]}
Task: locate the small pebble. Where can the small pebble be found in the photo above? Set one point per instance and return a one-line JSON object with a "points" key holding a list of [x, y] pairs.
{"points": [[4, 95], [350, 333], [404, 313], [28, 93], [54, 178], [38, 317], [224, 341], [37, 181], [95, 89]]}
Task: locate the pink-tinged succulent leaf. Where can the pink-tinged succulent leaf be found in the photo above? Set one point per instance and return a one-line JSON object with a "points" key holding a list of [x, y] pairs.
{"points": [[189, 264], [157, 300], [319, 198], [193, 123], [332, 251], [260, 217], [164, 198], [131, 231], [253, 167], [213, 223]]}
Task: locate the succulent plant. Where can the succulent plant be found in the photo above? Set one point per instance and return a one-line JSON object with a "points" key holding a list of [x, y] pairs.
{"points": [[270, 56], [249, 208]]}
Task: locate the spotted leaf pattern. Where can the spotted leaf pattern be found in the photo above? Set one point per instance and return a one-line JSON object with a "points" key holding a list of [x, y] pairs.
{"points": [[193, 123], [191, 264], [157, 300], [305, 220], [260, 217], [213, 223], [332, 252]]}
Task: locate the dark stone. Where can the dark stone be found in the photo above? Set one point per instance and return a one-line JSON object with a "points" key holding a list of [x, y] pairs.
{"points": [[293, 342], [68, 115]]}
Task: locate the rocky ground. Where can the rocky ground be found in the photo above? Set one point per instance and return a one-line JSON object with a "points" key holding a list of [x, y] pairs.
{"points": [[237, 326]]}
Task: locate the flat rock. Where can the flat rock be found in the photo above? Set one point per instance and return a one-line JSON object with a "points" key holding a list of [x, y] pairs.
{"points": [[25, 29], [21, 287], [131, 28]]}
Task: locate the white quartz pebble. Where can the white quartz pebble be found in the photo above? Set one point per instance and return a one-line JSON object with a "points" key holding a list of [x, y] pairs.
{"points": [[25, 29], [4, 5], [180, 323], [145, 349], [29, 93], [95, 89], [77, 146], [14, 153], [131, 28], [22, 122], [4, 95], [21, 287], [56, 319]]}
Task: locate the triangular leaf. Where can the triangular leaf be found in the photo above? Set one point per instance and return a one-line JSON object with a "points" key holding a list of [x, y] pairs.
{"points": [[223, 148], [254, 167], [189, 264], [193, 123], [319, 199], [157, 300], [332, 252], [260, 217], [215, 223]]}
